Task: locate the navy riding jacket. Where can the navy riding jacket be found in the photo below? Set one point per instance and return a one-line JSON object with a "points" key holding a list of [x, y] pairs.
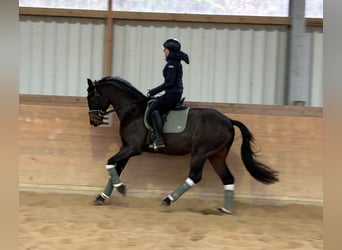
{"points": [[173, 74]]}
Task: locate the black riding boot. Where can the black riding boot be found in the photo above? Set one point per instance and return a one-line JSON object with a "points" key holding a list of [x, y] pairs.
{"points": [[157, 127]]}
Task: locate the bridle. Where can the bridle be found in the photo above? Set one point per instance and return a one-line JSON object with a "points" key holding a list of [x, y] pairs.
{"points": [[97, 116]]}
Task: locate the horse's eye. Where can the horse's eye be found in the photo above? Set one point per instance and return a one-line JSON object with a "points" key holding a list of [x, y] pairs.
{"points": [[93, 102]]}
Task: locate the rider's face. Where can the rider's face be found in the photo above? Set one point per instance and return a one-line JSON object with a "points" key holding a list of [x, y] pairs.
{"points": [[166, 52]]}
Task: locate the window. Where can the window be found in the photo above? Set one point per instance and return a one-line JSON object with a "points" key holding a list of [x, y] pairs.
{"points": [[314, 8], [219, 7], [66, 4]]}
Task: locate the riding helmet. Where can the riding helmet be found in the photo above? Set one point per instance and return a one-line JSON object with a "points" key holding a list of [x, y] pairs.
{"points": [[172, 44]]}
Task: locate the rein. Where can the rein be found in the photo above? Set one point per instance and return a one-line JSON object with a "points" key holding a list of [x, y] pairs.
{"points": [[97, 116]]}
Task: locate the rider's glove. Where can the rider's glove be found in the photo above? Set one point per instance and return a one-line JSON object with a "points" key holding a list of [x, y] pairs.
{"points": [[148, 93]]}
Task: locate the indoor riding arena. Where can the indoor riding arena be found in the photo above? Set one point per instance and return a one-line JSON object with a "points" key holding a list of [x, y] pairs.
{"points": [[259, 68]]}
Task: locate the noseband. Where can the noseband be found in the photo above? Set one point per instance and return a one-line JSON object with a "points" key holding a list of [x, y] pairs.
{"points": [[97, 116]]}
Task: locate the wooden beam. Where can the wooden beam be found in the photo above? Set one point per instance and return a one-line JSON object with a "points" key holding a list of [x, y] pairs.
{"points": [[314, 22], [229, 108], [108, 57], [175, 17], [62, 12]]}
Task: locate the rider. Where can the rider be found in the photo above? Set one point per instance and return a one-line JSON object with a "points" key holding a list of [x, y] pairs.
{"points": [[172, 85]]}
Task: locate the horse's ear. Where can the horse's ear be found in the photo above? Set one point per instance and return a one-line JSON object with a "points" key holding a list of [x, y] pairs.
{"points": [[90, 83]]}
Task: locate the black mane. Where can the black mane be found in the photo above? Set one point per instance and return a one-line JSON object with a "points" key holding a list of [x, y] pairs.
{"points": [[120, 83]]}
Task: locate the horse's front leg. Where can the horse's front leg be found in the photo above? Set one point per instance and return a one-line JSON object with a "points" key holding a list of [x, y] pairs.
{"points": [[115, 166], [114, 181]]}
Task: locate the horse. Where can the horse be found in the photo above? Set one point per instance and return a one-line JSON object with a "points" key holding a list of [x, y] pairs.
{"points": [[208, 135]]}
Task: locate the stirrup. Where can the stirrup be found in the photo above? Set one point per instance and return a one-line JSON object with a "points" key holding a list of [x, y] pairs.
{"points": [[155, 146]]}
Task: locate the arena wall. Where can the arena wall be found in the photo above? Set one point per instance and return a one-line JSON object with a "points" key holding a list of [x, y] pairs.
{"points": [[60, 152]]}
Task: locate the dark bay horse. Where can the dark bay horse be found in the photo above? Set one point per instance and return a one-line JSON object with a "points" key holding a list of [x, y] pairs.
{"points": [[208, 135]]}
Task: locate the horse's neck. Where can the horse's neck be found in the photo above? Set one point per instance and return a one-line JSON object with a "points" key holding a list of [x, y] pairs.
{"points": [[115, 95], [126, 105], [131, 112]]}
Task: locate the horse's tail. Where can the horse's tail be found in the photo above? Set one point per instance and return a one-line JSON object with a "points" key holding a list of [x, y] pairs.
{"points": [[258, 170]]}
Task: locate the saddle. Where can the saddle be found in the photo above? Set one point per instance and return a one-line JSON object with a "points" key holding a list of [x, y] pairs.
{"points": [[174, 121]]}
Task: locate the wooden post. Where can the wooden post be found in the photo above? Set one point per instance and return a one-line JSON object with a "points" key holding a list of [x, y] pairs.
{"points": [[108, 50]]}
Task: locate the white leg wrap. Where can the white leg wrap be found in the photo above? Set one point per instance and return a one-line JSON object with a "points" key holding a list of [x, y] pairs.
{"points": [[109, 166], [189, 182], [104, 195], [229, 187], [181, 189], [117, 185]]}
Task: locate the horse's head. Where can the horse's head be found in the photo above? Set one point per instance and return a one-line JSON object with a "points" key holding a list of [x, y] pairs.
{"points": [[97, 104]]}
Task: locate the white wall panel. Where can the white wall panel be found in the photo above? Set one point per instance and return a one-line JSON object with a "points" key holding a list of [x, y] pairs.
{"points": [[57, 54], [258, 55], [316, 68], [228, 63], [233, 64], [272, 55], [245, 70], [281, 89]]}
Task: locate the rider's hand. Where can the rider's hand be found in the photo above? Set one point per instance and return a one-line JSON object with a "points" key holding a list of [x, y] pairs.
{"points": [[148, 93]]}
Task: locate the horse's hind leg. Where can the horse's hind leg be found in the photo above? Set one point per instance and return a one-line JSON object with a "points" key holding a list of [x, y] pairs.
{"points": [[218, 161], [195, 175]]}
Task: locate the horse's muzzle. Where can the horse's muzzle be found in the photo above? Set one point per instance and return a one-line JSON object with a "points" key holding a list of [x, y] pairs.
{"points": [[96, 117]]}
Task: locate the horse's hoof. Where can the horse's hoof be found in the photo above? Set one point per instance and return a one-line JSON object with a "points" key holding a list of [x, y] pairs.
{"points": [[166, 202], [99, 201], [224, 210], [122, 189]]}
